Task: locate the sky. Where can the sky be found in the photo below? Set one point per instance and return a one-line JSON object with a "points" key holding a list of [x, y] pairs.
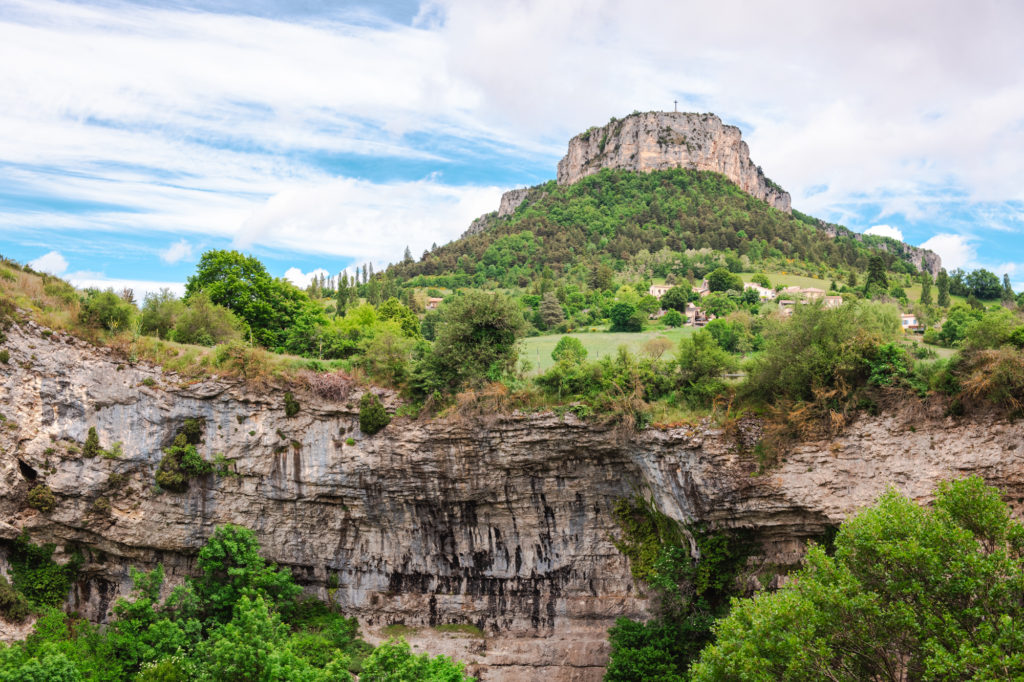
{"points": [[321, 135]]}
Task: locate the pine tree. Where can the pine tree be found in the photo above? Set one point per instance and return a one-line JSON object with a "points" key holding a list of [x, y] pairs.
{"points": [[1007, 288], [366, 278], [407, 258], [343, 292], [942, 284], [926, 289]]}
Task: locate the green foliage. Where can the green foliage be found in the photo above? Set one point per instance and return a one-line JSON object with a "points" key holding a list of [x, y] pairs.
{"points": [[14, 606], [37, 576], [761, 278], [182, 461], [203, 322], [721, 279], [41, 497], [674, 318], [160, 311], [394, 661], [230, 567], [820, 350], [676, 298], [885, 605], [392, 310], [106, 310], [291, 405], [984, 284], [954, 328], [569, 348], [5, 356], [626, 318], [372, 415], [92, 444], [701, 363], [270, 307], [476, 342], [942, 285], [690, 592]]}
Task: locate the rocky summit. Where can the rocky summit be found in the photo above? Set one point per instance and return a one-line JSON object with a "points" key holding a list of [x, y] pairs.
{"points": [[657, 140]]}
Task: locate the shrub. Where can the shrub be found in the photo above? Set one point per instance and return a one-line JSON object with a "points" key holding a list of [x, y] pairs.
{"points": [[626, 318], [569, 348], [701, 364], [291, 405], [350, 441], [41, 497], [14, 607], [372, 415], [107, 310], [205, 323], [5, 356], [674, 318], [180, 462], [36, 575], [92, 444], [335, 386]]}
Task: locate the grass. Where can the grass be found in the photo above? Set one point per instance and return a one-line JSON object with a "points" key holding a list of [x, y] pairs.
{"points": [[788, 280], [537, 349], [460, 628], [398, 630]]}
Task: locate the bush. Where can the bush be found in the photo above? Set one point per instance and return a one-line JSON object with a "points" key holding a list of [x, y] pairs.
{"points": [[5, 356], [14, 607], [569, 348], [41, 497], [291, 405], [37, 576], [372, 415], [160, 312], [180, 462], [205, 323], [701, 363], [673, 318], [105, 309], [626, 318], [92, 444]]}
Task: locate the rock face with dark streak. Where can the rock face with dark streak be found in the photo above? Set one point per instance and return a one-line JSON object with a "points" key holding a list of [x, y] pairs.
{"points": [[659, 140], [503, 522]]}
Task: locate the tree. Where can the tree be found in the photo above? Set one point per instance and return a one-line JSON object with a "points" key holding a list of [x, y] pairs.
{"points": [[884, 607], [676, 298], [876, 274], [230, 566], [393, 310], [243, 285], [984, 284], [720, 279], [105, 309], [625, 318], [942, 284], [926, 288], [601, 277], [569, 348], [160, 311], [674, 318], [760, 278], [394, 661], [1008, 294], [205, 323], [550, 311], [475, 341]]}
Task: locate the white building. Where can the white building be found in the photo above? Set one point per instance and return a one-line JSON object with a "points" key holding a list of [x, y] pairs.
{"points": [[658, 290], [764, 293]]}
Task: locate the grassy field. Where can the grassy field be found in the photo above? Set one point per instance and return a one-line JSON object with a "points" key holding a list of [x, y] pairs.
{"points": [[537, 349]]}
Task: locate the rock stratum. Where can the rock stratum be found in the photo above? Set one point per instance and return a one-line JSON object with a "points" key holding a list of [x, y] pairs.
{"points": [[502, 522], [659, 140]]}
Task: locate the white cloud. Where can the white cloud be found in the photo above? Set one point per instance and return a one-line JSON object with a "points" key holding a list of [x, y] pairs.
{"points": [[51, 262], [956, 251], [176, 252], [303, 279], [885, 231], [95, 280], [364, 220]]}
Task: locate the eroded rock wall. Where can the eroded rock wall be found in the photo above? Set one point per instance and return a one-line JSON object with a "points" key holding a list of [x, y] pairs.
{"points": [[503, 522]]}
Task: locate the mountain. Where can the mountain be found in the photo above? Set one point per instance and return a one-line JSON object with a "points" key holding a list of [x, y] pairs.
{"points": [[651, 181]]}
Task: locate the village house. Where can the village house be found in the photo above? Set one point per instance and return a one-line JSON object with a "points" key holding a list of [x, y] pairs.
{"points": [[764, 293], [909, 323], [433, 302], [703, 289], [658, 290], [695, 316], [833, 301]]}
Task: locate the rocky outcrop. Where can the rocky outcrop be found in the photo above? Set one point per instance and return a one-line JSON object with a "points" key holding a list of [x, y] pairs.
{"points": [[503, 522], [923, 259], [510, 201], [664, 140]]}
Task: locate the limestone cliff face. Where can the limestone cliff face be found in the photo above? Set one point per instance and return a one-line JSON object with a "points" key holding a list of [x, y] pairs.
{"points": [[663, 140], [501, 522]]}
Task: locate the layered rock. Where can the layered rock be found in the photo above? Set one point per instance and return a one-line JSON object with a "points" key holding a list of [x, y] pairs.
{"points": [[502, 522], [664, 140]]}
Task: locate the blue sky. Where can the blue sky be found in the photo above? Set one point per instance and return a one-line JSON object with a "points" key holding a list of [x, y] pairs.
{"points": [[320, 134]]}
